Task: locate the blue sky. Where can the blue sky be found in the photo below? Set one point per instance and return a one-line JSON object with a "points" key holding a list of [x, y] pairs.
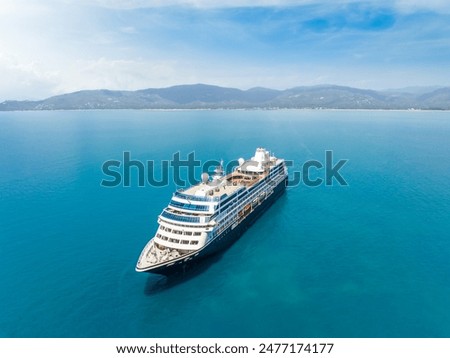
{"points": [[49, 47]]}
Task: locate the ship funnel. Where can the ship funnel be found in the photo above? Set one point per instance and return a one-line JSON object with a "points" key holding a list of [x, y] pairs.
{"points": [[205, 178], [261, 155]]}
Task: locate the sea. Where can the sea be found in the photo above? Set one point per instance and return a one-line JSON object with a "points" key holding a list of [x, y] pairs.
{"points": [[366, 256]]}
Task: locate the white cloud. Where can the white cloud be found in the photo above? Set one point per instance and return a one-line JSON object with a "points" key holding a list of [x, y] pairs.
{"points": [[116, 74], [405, 6], [133, 4], [410, 6], [30, 6], [35, 81], [25, 80], [128, 29]]}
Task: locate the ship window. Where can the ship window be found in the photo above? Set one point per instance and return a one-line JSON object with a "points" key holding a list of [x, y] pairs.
{"points": [[185, 242], [189, 233], [164, 238], [158, 235], [189, 206], [168, 229], [194, 242], [197, 233], [162, 227], [177, 232]]}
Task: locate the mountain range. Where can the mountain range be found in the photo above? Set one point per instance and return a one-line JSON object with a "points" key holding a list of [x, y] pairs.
{"points": [[201, 96]]}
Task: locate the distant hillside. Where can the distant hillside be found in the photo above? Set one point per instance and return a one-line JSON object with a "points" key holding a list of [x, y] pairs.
{"points": [[202, 96]]}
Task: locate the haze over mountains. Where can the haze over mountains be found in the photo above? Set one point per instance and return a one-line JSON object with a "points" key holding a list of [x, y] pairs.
{"points": [[201, 96]]}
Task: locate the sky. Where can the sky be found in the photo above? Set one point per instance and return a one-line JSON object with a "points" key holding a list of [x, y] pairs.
{"points": [[50, 47]]}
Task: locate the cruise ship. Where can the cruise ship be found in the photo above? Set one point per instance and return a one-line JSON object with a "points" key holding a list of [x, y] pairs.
{"points": [[209, 216]]}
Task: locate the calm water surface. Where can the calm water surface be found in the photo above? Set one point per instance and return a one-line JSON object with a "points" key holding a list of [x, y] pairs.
{"points": [[370, 259]]}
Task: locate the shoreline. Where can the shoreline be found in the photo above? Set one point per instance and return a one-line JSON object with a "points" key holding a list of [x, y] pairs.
{"points": [[228, 109]]}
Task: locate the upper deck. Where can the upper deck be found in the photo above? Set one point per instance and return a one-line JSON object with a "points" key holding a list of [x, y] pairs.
{"points": [[214, 189], [247, 174]]}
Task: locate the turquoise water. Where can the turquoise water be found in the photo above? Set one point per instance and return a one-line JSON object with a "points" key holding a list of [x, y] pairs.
{"points": [[370, 259]]}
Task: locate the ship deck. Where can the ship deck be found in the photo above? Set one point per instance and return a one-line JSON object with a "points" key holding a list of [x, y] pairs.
{"points": [[230, 183], [212, 191], [227, 186]]}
